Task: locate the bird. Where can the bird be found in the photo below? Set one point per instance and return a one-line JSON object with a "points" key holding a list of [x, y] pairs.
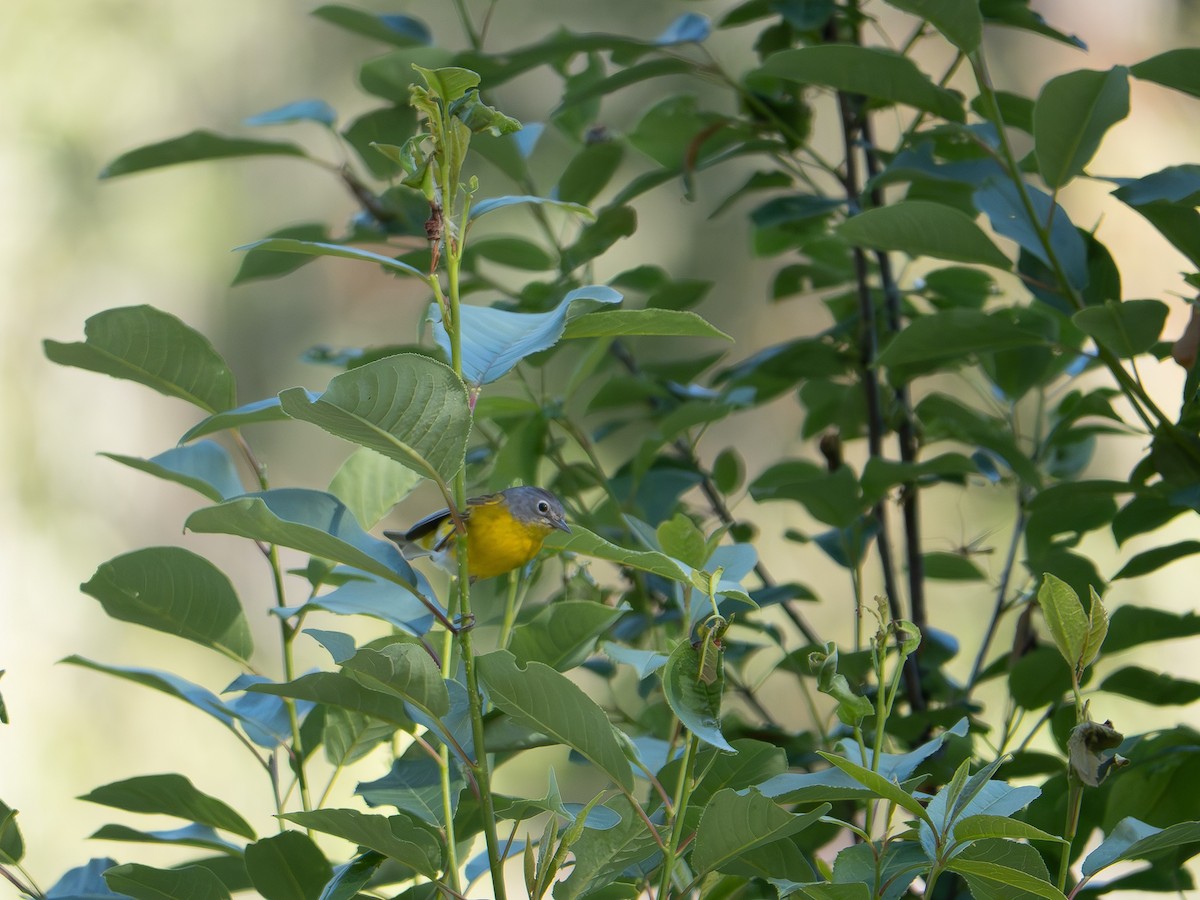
{"points": [[505, 530]]}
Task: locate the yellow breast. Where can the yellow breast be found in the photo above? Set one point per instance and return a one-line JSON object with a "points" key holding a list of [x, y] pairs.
{"points": [[498, 543]]}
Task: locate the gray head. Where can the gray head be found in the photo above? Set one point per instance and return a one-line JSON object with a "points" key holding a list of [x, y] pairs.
{"points": [[536, 506]]}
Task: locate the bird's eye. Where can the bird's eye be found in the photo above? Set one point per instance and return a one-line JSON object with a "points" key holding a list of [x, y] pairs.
{"points": [[543, 507]]}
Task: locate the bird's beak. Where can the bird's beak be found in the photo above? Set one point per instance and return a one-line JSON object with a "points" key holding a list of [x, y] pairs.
{"points": [[561, 525]]}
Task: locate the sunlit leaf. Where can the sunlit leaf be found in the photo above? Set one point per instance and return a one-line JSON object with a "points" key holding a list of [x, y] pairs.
{"points": [[170, 795], [541, 698], [408, 407], [154, 348], [204, 466], [923, 228], [195, 147], [399, 30], [870, 71], [399, 837], [1072, 115], [175, 591], [695, 701], [147, 883], [495, 340], [734, 823]]}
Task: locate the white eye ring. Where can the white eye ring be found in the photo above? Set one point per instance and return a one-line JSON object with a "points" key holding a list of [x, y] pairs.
{"points": [[543, 507]]}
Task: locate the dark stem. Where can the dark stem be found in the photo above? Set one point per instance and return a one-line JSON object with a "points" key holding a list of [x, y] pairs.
{"points": [[854, 128]]}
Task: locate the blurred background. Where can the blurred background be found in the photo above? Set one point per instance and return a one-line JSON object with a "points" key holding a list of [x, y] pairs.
{"points": [[81, 82]]}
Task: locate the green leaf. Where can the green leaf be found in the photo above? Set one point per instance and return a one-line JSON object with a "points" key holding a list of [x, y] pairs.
{"points": [[563, 633], [989, 865], [495, 340], [192, 694], [483, 207], [311, 110], [1178, 69], [189, 836], [834, 498], [1127, 328], [399, 30], [147, 883], [1154, 559], [268, 410], [1133, 839], [348, 736], [414, 786], [174, 591], [194, 147], [370, 484], [143, 344], [734, 824], [960, 23], [1174, 184], [590, 169], [852, 707], [1017, 14], [1065, 618], [1005, 206], [1155, 688], [204, 466], [12, 845], [1073, 113], [680, 538], [386, 126], [405, 670], [1097, 629], [626, 322], [364, 595], [517, 253], [955, 334], [824, 890], [873, 72], [944, 417], [882, 787], [398, 837], [695, 701], [614, 223], [318, 248], [584, 542], [945, 566], [410, 408], [973, 828], [170, 795], [598, 854], [267, 264], [923, 228], [350, 877], [287, 866], [540, 698], [1133, 626], [644, 662], [311, 521], [335, 689]]}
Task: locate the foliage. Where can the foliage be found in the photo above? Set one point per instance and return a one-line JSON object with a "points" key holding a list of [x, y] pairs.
{"points": [[655, 614]]}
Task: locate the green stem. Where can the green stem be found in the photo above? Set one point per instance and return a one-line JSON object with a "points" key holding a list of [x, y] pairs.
{"points": [[512, 604], [682, 792], [444, 771], [463, 582], [1074, 802], [287, 635]]}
